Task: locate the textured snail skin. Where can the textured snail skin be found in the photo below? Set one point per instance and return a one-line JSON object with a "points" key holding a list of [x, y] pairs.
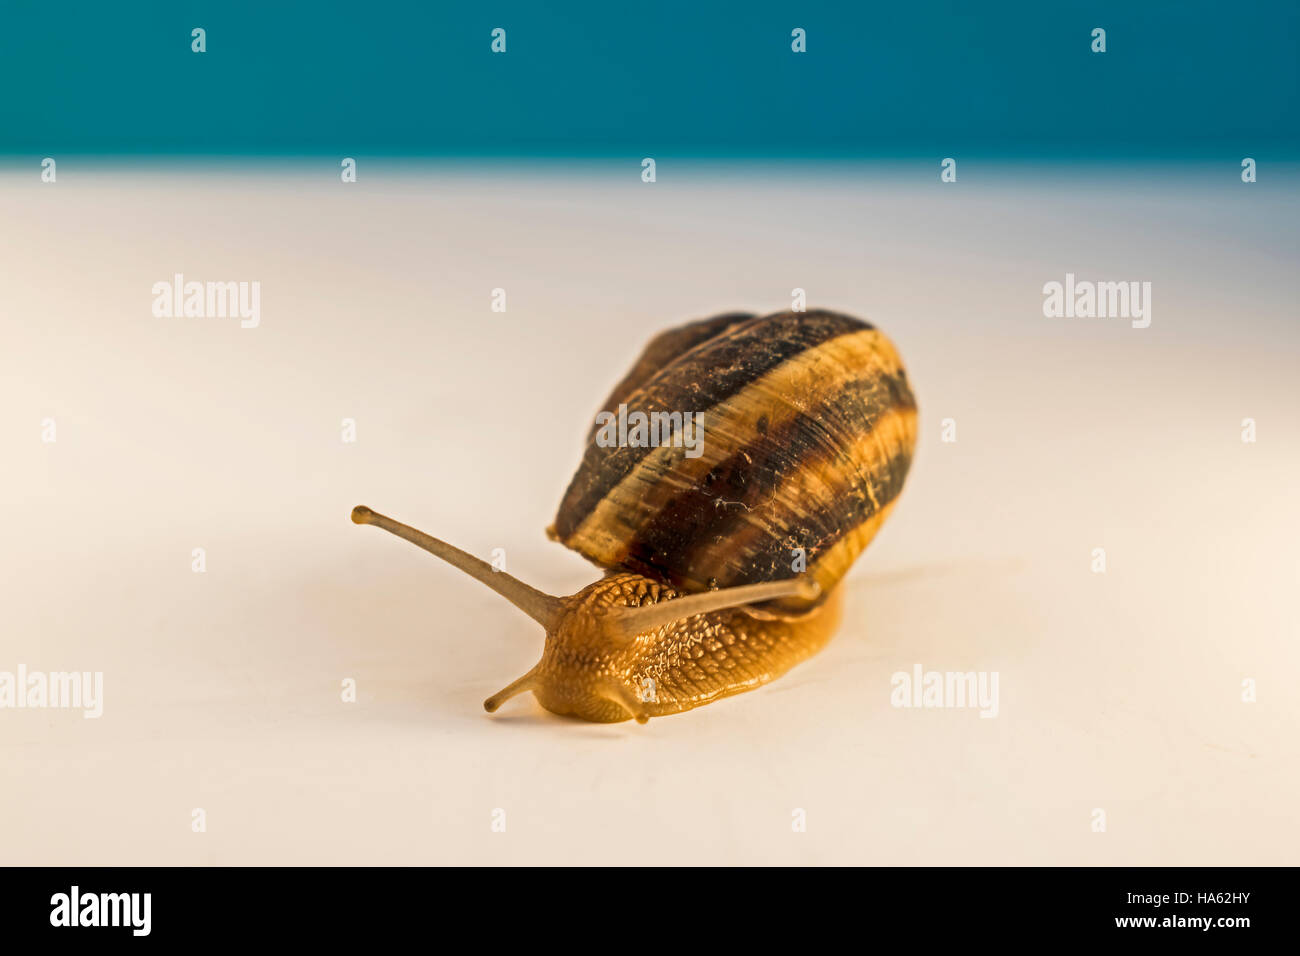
{"points": [[672, 668]]}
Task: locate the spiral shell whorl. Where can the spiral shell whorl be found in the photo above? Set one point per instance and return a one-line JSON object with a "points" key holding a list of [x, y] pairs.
{"points": [[809, 427]]}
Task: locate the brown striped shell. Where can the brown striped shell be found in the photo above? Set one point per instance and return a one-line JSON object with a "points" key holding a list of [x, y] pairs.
{"points": [[808, 431]]}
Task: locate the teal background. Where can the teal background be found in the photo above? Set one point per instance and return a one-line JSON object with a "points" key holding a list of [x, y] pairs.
{"points": [[650, 78]]}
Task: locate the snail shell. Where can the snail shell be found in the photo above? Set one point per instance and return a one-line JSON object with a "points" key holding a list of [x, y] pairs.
{"points": [[809, 426]]}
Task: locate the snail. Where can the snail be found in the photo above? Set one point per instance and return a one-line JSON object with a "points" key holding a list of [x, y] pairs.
{"points": [[721, 567]]}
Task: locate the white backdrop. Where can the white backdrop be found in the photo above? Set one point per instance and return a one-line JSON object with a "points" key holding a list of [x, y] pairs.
{"points": [[1119, 691]]}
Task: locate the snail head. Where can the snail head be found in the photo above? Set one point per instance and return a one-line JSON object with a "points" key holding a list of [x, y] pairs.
{"points": [[586, 623]]}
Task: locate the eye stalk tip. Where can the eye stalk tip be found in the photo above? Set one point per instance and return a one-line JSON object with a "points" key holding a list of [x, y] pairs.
{"points": [[362, 515], [809, 589]]}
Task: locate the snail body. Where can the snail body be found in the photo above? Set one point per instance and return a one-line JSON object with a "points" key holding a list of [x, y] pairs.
{"points": [[722, 567], [664, 670]]}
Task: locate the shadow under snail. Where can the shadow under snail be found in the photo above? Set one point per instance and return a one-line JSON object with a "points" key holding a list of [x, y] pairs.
{"points": [[722, 569]]}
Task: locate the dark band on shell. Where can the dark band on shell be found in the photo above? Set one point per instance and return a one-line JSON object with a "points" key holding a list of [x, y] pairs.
{"points": [[808, 432]]}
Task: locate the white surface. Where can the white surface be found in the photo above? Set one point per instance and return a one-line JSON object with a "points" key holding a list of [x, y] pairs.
{"points": [[1119, 691]]}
